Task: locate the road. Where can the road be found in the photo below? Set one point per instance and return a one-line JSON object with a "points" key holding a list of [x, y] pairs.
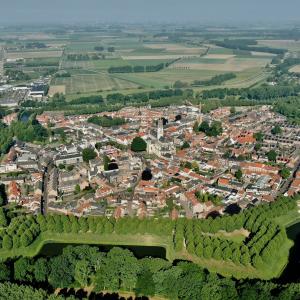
{"points": [[129, 204], [44, 198]]}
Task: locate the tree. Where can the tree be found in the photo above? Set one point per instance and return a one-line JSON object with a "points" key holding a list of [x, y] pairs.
{"points": [[3, 220], [185, 145], [204, 126], [145, 285], [7, 242], [276, 130], [83, 272], [196, 127], [41, 270], [88, 154], [285, 173], [257, 146], [23, 269], [272, 155], [77, 189], [138, 144], [259, 136], [4, 272], [238, 174], [106, 162]]}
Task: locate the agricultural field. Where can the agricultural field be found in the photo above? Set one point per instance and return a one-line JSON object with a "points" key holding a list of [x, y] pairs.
{"points": [[295, 69], [80, 54], [84, 83], [33, 54], [290, 45], [222, 63]]}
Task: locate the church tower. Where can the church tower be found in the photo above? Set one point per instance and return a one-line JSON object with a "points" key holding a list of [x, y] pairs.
{"points": [[160, 129]]}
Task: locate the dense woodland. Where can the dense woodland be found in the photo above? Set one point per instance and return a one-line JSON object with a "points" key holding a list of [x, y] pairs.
{"points": [[259, 93], [27, 131], [247, 45], [119, 269], [106, 121]]}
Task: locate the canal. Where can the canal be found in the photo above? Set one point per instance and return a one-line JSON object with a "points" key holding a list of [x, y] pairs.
{"points": [[291, 272], [53, 249]]}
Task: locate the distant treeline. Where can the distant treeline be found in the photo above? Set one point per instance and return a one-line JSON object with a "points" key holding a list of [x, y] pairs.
{"points": [[216, 80], [85, 57], [140, 69], [101, 48], [58, 100], [62, 75], [247, 45], [136, 69], [144, 96], [260, 93]]}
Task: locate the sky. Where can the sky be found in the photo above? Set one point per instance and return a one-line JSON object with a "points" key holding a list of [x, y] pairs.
{"points": [[140, 11]]}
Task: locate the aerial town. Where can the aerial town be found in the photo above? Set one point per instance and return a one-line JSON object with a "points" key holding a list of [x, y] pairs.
{"points": [[149, 160], [182, 172]]}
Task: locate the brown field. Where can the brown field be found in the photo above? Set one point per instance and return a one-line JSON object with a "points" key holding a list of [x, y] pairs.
{"points": [[153, 57], [175, 47], [219, 56], [255, 53], [33, 54], [61, 89], [291, 45], [231, 65], [295, 69]]}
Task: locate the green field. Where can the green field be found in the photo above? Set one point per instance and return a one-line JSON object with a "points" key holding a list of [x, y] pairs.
{"points": [[85, 83], [135, 49]]}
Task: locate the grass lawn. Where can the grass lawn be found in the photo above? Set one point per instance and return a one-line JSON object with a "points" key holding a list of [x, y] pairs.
{"points": [[291, 218]]}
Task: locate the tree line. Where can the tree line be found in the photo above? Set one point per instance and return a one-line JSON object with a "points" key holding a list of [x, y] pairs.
{"points": [[260, 93], [136, 69], [216, 80]]}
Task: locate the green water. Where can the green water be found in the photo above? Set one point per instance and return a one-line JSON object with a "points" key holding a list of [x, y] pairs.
{"points": [[52, 249]]}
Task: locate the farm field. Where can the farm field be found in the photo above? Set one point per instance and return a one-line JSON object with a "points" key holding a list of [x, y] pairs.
{"points": [[295, 69], [33, 54], [167, 77], [231, 64], [84, 83], [199, 59], [291, 45]]}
